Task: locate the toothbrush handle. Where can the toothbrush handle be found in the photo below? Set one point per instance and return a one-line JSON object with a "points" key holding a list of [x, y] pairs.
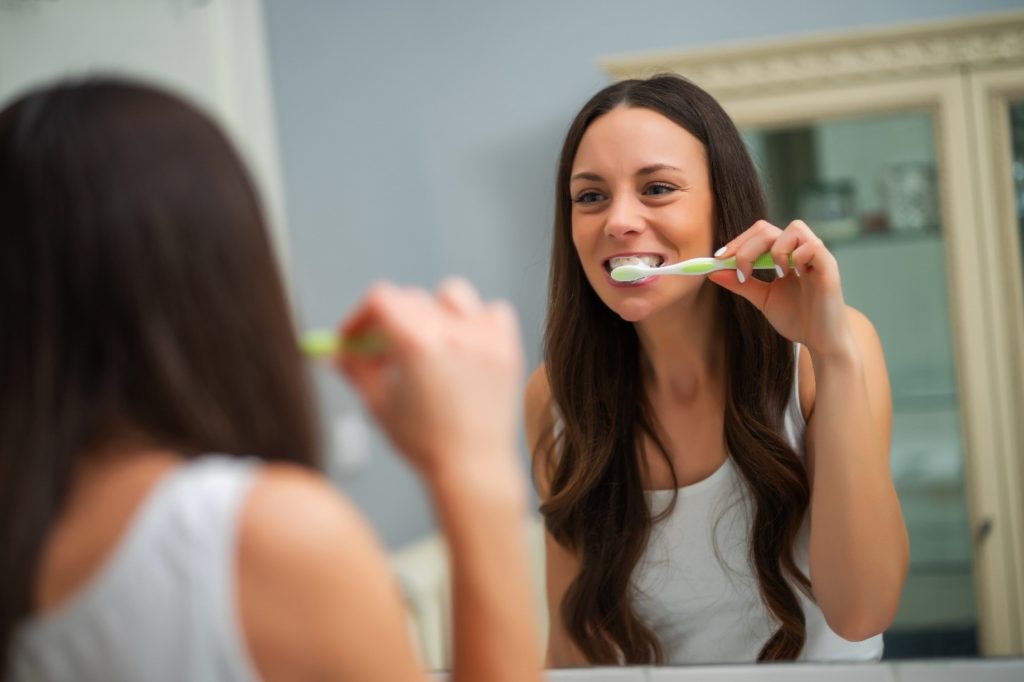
{"points": [[762, 262], [326, 343]]}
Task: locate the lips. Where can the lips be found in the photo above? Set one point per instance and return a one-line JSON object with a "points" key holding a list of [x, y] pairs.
{"points": [[650, 259]]}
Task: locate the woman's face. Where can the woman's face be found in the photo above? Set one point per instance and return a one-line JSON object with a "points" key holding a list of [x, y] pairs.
{"points": [[640, 189]]}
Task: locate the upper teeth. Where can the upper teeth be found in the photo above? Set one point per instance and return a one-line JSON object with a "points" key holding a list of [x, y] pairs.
{"points": [[618, 261]]}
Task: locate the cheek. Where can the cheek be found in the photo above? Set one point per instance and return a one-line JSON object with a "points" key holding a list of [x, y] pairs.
{"points": [[582, 239], [694, 226]]}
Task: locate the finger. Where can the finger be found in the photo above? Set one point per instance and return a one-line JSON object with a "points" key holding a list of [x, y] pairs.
{"points": [[754, 290], [756, 241], [813, 257], [505, 313], [729, 248], [783, 248], [368, 310], [505, 323], [459, 296], [796, 234], [393, 313], [370, 377]]}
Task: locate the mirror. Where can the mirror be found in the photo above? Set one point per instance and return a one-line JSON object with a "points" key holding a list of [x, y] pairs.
{"points": [[858, 134], [863, 134], [414, 140]]}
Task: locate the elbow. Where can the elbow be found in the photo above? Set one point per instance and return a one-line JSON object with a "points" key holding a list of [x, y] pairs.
{"points": [[864, 616], [857, 631], [860, 609], [859, 624]]}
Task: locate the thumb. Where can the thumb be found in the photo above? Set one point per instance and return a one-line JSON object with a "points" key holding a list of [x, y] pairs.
{"points": [[754, 290]]}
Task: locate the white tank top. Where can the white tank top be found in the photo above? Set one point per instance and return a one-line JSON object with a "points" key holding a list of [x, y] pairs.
{"points": [[696, 588], [163, 607]]}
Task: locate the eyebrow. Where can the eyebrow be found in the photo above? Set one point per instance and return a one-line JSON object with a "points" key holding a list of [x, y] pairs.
{"points": [[654, 168], [646, 170]]}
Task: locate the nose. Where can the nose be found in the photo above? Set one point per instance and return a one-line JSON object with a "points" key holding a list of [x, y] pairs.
{"points": [[624, 217]]}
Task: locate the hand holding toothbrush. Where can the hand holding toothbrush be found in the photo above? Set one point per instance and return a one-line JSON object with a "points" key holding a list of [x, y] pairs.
{"points": [[445, 386], [805, 301]]}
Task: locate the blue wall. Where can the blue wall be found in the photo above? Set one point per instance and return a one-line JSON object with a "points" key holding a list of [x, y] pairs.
{"points": [[419, 139]]}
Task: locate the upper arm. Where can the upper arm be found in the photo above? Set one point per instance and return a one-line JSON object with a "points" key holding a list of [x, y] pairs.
{"points": [[561, 564], [876, 375], [317, 597], [876, 382]]}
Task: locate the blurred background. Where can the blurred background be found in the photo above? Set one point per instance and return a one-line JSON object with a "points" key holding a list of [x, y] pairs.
{"points": [[411, 140]]}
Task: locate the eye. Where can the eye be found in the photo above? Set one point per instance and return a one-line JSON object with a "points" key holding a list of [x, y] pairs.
{"points": [[588, 197], [659, 189]]}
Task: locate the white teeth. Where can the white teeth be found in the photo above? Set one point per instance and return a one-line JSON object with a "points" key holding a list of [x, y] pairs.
{"points": [[649, 260]]}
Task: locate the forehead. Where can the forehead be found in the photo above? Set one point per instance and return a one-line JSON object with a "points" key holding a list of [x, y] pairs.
{"points": [[628, 138]]}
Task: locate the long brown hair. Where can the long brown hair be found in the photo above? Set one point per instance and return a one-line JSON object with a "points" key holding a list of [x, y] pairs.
{"points": [[596, 506], [138, 287]]}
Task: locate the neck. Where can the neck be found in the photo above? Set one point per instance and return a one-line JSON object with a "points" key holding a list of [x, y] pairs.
{"points": [[122, 450], [682, 347]]}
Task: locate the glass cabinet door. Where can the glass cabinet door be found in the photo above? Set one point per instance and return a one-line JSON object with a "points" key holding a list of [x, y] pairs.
{"points": [[867, 186], [1017, 142]]}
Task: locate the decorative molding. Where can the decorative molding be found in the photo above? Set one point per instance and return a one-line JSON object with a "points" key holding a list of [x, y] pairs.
{"points": [[802, 63]]}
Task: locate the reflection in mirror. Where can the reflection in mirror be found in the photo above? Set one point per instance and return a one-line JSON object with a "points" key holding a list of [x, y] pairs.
{"points": [[876, 188], [482, 161], [680, 424]]}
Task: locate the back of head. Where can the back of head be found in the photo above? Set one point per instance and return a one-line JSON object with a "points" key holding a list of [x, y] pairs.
{"points": [[138, 289]]}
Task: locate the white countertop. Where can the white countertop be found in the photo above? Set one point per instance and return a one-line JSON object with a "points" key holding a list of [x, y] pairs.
{"points": [[935, 670]]}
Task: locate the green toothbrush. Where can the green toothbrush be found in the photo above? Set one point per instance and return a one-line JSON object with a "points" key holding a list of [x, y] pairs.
{"points": [[324, 343], [692, 266]]}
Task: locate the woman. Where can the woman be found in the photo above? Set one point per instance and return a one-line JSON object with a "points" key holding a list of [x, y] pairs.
{"points": [[145, 327], [711, 452]]}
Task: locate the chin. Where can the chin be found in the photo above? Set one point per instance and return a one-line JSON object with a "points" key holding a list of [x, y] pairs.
{"points": [[634, 310]]}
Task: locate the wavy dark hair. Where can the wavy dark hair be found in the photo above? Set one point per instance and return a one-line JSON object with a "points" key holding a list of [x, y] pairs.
{"points": [[596, 506], [139, 289]]}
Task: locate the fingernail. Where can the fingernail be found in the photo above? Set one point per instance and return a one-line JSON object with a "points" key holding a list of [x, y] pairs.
{"points": [[720, 251], [779, 271], [740, 276], [796, 270]]}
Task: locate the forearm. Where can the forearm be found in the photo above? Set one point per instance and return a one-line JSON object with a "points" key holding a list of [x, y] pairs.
{"points": [[858, 544], [483, 513]]}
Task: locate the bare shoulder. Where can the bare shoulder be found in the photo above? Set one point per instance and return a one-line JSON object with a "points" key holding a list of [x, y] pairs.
{"points": [[876, 373], [294, 509], [863, 330], [869, 345], [283, 486], [539, 419], [314, 582]]}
